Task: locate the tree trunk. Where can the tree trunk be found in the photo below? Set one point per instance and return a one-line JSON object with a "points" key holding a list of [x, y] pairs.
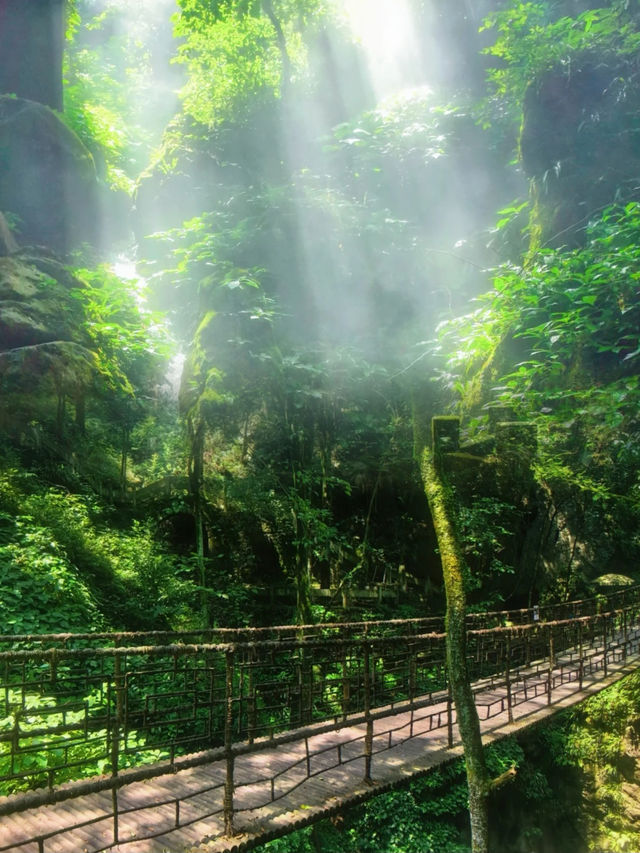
{"points": [[196, 477], [302, 578], [442, 514], [81, 410], [267, 6], [31, 49], [124, 458]]}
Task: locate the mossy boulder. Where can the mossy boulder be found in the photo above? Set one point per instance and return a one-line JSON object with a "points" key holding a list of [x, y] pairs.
{"points": [[44, 354], [36, 302], [48, 179]]}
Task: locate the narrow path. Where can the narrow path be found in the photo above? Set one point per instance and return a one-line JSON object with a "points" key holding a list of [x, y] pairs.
{"points": [[284, 787]]}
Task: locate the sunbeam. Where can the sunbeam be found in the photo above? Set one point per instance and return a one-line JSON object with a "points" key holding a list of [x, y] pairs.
{"points": [[385, 30]]}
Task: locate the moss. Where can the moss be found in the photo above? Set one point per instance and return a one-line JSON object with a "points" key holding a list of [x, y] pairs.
{"points": [[443, 514]]}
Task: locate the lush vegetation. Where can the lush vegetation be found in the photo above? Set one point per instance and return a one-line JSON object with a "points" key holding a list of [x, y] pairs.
{"points": [[210, 412]]}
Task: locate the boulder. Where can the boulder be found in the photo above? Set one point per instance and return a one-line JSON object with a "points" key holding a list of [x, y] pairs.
{"points": [[47, 177], [44, 355], [37, 304]]}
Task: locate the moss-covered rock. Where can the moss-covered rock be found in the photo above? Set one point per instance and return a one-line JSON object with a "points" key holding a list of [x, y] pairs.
{"points": [[44, 354], [47, 177], [37, 302]]}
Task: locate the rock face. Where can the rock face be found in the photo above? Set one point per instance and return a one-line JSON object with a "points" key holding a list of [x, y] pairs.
{"points": [[47, 177], [579, 145], [31, 47], [42, 356]]}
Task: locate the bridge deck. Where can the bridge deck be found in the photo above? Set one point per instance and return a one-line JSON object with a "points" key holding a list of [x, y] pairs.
{"points": [[290, 785]]}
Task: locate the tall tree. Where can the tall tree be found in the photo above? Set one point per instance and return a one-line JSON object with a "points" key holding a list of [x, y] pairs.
{"points": [[31, 47], [443, 516]]}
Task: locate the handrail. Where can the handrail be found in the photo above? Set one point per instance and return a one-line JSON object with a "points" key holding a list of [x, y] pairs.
{"points": [[251, 634]]}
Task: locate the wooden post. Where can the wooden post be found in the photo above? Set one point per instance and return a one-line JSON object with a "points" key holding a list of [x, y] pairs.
{"points": [[117, 678], [228, 736], [551, 662], [412, 673], [581, 654], [252, 706], [346, 687], [604, 643], [449, 714], [625, 634], [53, 666], [115, 752], [508, 677], [301, 695], [368, 740], [115, 741]]}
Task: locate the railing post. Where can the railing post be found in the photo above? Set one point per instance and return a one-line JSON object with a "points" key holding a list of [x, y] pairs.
{"points": [[115, 742], [412, 673], [252, 715], [301, 694], [117, 678], [551, 664], [228, 738], [604, 643], [449, 712], [346, 687], [625, 634], [508, 677], [368, 740], [580, 654]]}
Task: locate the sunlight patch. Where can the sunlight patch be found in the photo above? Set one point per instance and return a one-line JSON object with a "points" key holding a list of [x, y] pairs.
{"points": [[386, 31]]}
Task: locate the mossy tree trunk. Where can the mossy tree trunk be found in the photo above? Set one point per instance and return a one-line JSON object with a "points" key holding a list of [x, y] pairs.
{"points": [[441, 507]]}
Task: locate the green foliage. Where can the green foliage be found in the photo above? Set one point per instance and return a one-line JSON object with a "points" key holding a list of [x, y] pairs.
{"points": [[569, 792], [230, 64], [112, 99], [484, 528], [42, 590], [592, 736], [532, 38], [63, 752], [130, 341], [238, 53], [64, 570], [569, 317]]}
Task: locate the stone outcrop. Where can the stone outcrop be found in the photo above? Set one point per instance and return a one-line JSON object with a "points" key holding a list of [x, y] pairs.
{"points": [[44, 357], [48, 181], [579, 145]]}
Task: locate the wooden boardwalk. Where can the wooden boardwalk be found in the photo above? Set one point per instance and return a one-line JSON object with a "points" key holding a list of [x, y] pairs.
{"points": [[296, 781]]}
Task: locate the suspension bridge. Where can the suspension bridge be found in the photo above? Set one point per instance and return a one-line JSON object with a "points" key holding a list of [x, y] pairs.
{"points": [[220, 740]]}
